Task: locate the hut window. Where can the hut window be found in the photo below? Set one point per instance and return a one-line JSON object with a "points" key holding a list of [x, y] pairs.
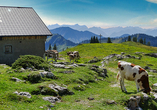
{"points": [[8, 49]]}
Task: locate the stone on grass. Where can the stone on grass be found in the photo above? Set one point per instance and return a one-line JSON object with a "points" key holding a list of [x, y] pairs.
{"points": [[52, 99], [15, 79], [60, 90], [26, 94], [47, 74]]}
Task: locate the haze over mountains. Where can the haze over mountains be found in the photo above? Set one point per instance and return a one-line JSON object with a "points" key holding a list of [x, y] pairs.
{"points": [[109, 32]]}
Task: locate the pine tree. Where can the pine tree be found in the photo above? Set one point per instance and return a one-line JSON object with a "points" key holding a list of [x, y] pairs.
{"points": [[55, 47], [135, 39], [141, 41], [109, 40], [96, 40], [91, 40], [49, 46], [144, 42], [148, 43], [129, 38]]}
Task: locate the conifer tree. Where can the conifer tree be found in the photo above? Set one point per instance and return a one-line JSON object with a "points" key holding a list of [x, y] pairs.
{"points": [[49, 46], [141, 41], [91, 40], [109, 40], [135, 39], [129, 38], [148, 43], [144, 42], [96, 40], [55, 47]]}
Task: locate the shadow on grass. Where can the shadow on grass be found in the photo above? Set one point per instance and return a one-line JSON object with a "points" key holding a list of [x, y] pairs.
{"points": [[130, 92]]}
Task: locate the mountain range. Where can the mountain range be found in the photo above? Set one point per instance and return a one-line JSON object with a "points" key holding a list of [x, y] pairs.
{"points": [[73, 35], [63, 43], [60, 42], [109, 32], [66, 37]]}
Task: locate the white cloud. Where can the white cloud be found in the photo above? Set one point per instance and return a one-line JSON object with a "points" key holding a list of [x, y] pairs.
{"points": [[154, 21], [152, 1]]}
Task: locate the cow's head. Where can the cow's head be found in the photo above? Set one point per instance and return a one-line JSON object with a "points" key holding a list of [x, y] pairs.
{"points": [[68, 53], [145, 84]]}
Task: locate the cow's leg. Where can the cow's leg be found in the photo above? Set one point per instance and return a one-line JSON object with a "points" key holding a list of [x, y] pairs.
{"points": [[122, 84], [137, 86]]}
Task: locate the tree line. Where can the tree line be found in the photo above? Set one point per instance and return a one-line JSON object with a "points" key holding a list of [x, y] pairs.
{"points": [[141, 40], [95, 40]]}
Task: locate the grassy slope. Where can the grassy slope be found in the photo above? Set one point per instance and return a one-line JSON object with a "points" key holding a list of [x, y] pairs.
{"points": [[100, 90]]}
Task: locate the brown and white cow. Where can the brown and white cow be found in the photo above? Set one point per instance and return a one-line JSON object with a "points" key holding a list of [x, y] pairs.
{"points": [[72, 57], [77, 54], [135, 73]]}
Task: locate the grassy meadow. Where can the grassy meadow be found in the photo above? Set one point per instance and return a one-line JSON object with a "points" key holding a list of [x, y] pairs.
{"points": [[103, 90]]}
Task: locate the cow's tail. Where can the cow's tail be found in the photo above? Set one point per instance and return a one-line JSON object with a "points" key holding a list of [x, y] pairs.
{"points": [[118, 75]]}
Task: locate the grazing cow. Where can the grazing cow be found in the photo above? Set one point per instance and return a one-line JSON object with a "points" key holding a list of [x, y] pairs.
{"points": [[70, 52], [135, 73], [77, 54], [52, 53], [72, 57]]}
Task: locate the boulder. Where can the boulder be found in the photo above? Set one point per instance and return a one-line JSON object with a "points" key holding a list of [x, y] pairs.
{"points": [[47, 74], [52, 99], [15, 79], [146, 67], [59, 65], [61, 90], [154, 71], [152, 55], [133, 103], [26, 94]]}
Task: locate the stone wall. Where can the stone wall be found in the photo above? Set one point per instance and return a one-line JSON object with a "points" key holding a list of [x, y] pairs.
{"points": [[12, 47]]}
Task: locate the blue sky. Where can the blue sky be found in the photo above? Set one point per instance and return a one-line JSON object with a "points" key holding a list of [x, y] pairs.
{"points": [[99, 13]]}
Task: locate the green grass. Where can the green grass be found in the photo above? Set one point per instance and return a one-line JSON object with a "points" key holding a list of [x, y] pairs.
{"points": [[101, 89]]}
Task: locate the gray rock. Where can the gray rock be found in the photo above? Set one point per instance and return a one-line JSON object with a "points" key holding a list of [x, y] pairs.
{"points": [[15, 79], [119, 57], [147, 67], [134, 103], [145, 96], [129, 56], [47, 74], [111, 102], [155, 85], [61, 90], [155, 95], [52, 99], [122, 53], [26, 94], [81, 64], [154, 71], [59, 65], [110, 56], [152, 55]]}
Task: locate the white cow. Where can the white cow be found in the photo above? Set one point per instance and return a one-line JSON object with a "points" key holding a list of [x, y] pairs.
{"points": [[135, 73]]}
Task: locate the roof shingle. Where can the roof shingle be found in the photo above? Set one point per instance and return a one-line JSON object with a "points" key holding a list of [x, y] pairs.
{"points": [[21, 21]]}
